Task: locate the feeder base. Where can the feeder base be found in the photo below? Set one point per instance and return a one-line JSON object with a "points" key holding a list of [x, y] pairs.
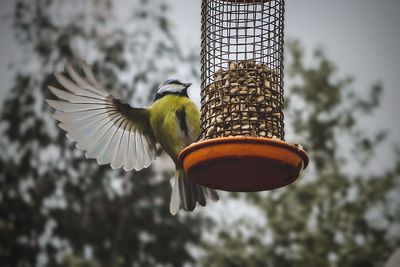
{"points": [[243, 164]]}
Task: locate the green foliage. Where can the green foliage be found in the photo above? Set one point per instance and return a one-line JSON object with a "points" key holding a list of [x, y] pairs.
{"points": [[56, 207], [59, 209]]}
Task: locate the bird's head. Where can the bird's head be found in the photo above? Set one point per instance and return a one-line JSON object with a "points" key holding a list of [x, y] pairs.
{"points": [[172, 87]]}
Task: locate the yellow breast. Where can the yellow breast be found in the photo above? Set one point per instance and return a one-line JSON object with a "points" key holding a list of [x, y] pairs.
{"points": [[175, 122]]}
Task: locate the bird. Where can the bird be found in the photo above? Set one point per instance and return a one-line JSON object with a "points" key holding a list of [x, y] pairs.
{"points": [[113, 132]]}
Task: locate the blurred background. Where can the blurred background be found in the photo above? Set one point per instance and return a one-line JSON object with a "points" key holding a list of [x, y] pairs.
{"points": [[341, 91]]}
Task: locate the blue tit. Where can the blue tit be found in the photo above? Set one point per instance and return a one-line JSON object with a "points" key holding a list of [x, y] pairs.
{"points": [[113, 132]]}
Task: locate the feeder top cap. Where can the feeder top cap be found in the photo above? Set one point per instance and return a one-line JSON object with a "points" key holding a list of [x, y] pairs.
{"points": [[246, 1]]}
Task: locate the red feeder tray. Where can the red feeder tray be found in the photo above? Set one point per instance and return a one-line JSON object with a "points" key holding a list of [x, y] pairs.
{"points": [[243, 164]]}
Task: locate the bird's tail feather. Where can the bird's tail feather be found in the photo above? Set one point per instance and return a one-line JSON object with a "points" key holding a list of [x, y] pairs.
{"points": [[186, 194]]}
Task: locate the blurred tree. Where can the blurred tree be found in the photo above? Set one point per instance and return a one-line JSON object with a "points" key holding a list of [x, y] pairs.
{"points": [[56, 207], [59, 209], [339, 214]]}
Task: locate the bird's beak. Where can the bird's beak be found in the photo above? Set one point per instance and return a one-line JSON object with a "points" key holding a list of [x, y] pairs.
{"points": [[187, 85]]}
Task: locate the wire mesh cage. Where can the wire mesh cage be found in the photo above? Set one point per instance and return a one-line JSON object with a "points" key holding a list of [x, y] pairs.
{"points": [[241, 146], [242, 68]]}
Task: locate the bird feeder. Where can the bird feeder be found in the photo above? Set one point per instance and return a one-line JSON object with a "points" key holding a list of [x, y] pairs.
{"points": [[242, 145]]}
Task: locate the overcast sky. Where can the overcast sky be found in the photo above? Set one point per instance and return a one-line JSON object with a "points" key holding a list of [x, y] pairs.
{"points": [[361, 36]]}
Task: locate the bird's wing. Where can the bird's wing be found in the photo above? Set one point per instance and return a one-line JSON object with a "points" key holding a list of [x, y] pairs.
{"points": [[107, 129]]}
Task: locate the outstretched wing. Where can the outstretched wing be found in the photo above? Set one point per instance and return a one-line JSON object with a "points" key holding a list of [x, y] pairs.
{"points": [[109, 130]]}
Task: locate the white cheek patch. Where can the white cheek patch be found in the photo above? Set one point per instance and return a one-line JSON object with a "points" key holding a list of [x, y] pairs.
{"points": [[171, 88]]}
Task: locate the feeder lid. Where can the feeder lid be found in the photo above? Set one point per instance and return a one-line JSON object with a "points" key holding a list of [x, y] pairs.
{"points": [[243, 164], [246, 1]]}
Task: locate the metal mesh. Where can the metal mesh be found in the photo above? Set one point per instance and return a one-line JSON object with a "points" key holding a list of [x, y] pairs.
{"points": [[242, 68]]}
